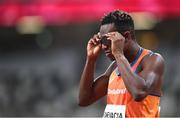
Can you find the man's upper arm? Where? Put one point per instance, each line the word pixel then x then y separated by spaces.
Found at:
pixel 101 83
pixel 152 72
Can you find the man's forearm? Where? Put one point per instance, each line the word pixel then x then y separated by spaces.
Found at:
pixel 86 81
pixel 132 81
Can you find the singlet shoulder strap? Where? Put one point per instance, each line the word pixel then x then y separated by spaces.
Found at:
pixel 143 54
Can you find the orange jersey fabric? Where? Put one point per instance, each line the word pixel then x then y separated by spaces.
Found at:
pixel 119 95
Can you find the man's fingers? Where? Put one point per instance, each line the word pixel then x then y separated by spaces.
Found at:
pixel 95 41
pixel 110 33
pixel 113 34
pixel 90 42
pixel 109 38
pixel 98 35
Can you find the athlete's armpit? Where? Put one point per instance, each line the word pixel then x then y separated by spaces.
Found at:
pixel 98 89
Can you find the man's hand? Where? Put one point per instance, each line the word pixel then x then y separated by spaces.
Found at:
pixel 94 47
pixel 117 42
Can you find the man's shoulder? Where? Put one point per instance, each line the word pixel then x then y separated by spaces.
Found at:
pixel 111 68
pixel 153 59
pixel 113 65
pixel 153 56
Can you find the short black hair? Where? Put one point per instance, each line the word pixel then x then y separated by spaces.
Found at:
pixel 121 19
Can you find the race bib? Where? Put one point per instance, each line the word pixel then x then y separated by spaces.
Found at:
pixel 114 111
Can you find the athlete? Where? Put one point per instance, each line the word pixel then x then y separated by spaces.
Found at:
pixel 133 81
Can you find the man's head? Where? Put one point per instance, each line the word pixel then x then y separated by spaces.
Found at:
pixel 121 22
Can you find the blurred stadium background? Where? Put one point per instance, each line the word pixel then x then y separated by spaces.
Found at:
pixel 43 50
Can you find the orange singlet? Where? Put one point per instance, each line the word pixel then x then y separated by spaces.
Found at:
pixel 121 104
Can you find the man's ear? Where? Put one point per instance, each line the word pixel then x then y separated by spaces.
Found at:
pixel 127 36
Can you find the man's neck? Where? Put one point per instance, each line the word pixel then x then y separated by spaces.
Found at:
pixel 132 52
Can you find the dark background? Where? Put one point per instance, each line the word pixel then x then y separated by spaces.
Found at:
pixel 40 69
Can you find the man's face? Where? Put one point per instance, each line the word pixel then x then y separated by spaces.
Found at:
pixel 104 29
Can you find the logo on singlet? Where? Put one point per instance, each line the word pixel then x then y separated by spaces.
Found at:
pixel 116 91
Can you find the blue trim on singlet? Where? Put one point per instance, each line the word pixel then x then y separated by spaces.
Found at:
pixel 118 72
pixel 141 50
pixel 150 52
